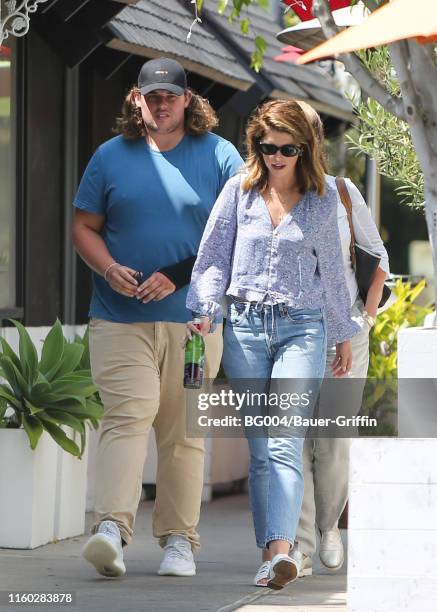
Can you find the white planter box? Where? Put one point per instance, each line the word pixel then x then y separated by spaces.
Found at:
pixel 392 508
pixel 60 513
pixel 42 492
pixel 392 534
pixel 71 484
pixel 417 352
pixel 417 367
pixel 27 490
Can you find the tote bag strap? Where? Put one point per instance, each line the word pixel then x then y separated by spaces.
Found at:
pixel 347 203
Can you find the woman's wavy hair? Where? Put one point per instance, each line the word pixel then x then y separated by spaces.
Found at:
pixel 285 116
pixel 200 117
pixel 314 118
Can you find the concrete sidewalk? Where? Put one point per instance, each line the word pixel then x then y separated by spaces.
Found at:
pixel 225 568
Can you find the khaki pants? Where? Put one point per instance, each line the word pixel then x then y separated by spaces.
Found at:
pixel 326 460
pixel 138 369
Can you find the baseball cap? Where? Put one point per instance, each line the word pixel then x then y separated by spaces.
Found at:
pixel 162 73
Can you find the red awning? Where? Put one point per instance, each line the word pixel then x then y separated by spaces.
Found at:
pixel 303 8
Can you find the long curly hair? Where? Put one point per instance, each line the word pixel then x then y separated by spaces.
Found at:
pixel 284 116
pixel 200 117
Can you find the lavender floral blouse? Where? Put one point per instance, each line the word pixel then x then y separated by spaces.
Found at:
pixel 298 263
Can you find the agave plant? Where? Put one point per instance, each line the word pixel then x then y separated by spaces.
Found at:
pixel 85 363
pixel 50 393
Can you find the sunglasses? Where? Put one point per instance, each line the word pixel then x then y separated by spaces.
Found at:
pixel 288 150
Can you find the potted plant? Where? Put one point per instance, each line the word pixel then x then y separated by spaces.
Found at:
pixel 45 405
pixel 380 398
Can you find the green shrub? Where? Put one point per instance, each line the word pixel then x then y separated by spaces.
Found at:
pixel 50 393
pixel 384 336
pixel 380 393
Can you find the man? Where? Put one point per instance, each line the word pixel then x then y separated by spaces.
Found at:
pixel 141 208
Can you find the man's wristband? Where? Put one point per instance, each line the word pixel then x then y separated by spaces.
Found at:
pixel 108 268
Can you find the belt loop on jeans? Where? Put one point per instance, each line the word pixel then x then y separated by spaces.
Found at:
pixel 272 306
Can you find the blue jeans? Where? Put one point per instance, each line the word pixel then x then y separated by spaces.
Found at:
pixel 274 342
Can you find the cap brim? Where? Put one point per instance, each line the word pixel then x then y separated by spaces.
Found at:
pixel 175 89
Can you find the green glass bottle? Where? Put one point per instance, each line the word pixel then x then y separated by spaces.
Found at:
pixel 194 360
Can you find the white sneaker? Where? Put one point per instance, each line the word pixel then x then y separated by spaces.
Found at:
pixel 262 574
pixel 304 562
pixel 331 549
pixel 283 570
pixel 104 550
pixel 178 558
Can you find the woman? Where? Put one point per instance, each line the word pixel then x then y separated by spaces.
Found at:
pixel 326 460
pixel 272 245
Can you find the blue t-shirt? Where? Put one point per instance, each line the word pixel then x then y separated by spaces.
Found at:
pixel 156 206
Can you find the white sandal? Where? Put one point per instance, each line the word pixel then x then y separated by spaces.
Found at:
pixel 262 574
pixel 283 570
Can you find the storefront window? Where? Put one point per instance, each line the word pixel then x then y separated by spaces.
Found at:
pixel 7 178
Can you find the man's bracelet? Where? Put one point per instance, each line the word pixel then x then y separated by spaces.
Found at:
pixel 108 268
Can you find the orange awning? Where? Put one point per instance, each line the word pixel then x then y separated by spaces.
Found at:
pixel 397 20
